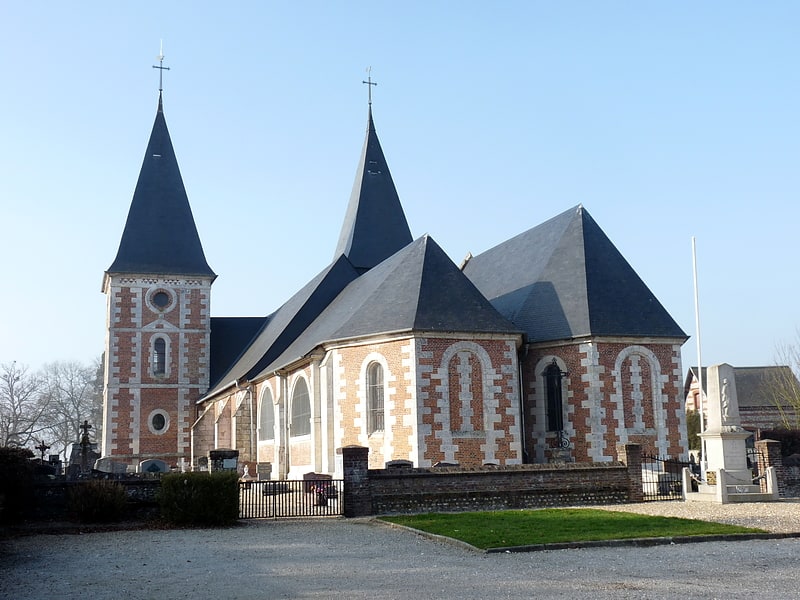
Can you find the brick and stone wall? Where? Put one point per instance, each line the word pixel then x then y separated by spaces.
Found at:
pixel 135 392
pixel 614 391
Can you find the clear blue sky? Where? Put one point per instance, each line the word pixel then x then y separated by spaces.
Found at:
pixel 665 120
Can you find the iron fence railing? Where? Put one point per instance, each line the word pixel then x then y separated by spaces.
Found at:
pixel 291 498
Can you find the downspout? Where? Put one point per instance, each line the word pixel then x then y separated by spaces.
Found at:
pixel 523 431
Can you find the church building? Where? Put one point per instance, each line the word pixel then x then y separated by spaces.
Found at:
pixel 545 348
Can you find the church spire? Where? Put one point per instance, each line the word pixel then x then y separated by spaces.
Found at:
pixel 375 225
pixel 160 236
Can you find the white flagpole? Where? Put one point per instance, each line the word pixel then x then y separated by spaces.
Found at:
pixel 699 359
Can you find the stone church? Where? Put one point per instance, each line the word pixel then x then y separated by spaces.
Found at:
pixel 545 348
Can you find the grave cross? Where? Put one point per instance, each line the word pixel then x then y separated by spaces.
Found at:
pixel 42 448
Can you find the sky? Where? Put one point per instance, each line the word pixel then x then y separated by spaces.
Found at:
pixel 666 121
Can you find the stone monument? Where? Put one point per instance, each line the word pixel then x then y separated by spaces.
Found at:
pixel 727 477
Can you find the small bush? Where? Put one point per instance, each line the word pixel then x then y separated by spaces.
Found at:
pixel 200 498
pixel 16 482
pixel 97 501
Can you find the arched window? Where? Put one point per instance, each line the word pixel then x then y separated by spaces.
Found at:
pixel 266 425
pixel 301 409
pixel 555 410
pixel 374 398
pixel 159 356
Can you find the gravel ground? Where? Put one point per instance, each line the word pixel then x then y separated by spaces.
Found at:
pixel 360 558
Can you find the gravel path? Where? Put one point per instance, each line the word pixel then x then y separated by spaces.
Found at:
pixel 363 559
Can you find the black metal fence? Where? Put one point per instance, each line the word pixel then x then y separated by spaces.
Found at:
pixel 662 478
pixel 290 498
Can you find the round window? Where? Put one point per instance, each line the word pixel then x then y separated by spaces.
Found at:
pixel 160 299
pixel 158 421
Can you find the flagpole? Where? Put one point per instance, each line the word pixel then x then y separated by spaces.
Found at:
pixel 699 360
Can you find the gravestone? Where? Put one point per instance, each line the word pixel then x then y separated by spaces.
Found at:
pixel 153 465
pixel 399 464
pixel 223 459
pixel 108 465
pixel 264 471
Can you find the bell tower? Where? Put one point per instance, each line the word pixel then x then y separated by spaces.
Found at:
pixel 158 301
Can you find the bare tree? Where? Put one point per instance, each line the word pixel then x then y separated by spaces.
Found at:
pixel 71 393
pixel 784 385
pixel 22 406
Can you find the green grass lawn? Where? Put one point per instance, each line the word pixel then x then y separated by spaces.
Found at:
pixel 529 527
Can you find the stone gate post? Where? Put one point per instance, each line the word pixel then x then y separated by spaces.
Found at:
pixel 631 456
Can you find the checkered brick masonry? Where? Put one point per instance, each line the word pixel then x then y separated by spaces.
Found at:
pixel 614 391
pixel 156 365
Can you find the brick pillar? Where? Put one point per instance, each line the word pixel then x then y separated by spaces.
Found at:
pixel 769 455
pixel 357 494
pixel 631 456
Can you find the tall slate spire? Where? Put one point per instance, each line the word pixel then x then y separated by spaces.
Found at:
pixel 160 236
pixel 375 225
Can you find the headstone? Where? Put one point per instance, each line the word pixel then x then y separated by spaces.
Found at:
pixel 153 465
pixel 108 465
pixel 223 459
pixel 264 471
pixel 399 464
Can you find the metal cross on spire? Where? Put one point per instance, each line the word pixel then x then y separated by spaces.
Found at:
pixel 369 83
pixel 161 67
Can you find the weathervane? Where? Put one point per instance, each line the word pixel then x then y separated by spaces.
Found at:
pixel 369 83
pixel 161 67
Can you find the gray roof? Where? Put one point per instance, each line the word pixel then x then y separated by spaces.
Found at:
pixel 755 386
pixel 229 337
pixel 419 289
pixel 288 322
pixel 375 225
pixel 160 236
pixel 565 279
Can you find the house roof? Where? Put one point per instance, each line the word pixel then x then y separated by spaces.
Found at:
pixel 565 279
pixel 755 386
pixel 418 289
pixel 160 236
pixel 375 225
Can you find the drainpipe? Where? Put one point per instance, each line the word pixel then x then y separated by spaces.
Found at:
pixel 523 431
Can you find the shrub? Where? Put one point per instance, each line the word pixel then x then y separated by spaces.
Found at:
pixel 97 501
pixel 200 498
pixel 16 482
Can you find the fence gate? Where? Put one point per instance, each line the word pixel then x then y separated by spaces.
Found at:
pixel 662 478
pixel 282 499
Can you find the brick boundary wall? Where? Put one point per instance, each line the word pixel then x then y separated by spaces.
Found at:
pixel 769 455
pixel 454 489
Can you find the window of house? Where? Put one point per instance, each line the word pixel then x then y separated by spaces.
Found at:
pixel 555 410
pixel 266 426
pixel 374 398
pixel 159 356
pixel 301 409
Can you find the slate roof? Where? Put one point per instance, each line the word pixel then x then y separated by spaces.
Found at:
pixel 565 279
pixel 288 322
pixel 229 337
pixel 419 289
pixel 753 384
pixel 160 236
pixel 375 225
